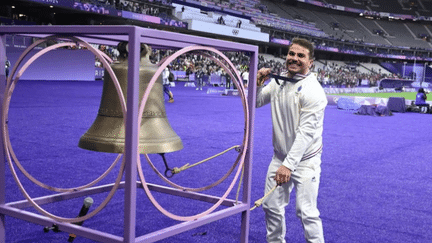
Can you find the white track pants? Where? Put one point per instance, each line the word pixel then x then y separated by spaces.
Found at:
pixel 306 180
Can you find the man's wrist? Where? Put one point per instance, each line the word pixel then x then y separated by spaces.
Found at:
pixel 289 167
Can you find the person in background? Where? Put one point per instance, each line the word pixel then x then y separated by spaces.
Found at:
pixel 199 78
pixel 166 84
pixel 220 20
pixel 245 77
pixel 297 108
pixel 228 83
pixel 421 101
pixel 7 67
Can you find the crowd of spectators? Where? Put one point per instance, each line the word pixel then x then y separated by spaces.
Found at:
pixel 136 7
pixel 277 66
pixel 333 74
pixel 329 75
pixel 147 7
pixel 336 75
pixel 193 62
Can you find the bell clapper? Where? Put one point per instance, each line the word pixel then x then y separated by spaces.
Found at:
pixel 168 171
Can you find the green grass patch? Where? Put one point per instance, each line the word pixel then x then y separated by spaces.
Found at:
pixel 406 95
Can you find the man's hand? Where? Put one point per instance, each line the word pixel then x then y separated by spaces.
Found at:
pixel 262 75
pixel 283 175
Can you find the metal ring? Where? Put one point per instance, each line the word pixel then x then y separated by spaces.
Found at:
pixel 8 147
pixel 241 156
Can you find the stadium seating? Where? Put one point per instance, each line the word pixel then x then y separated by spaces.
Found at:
pixel 369 67
pixel 340 31
pixel 390 6
pixel 351 4
pixel 399 34
pixel 327 24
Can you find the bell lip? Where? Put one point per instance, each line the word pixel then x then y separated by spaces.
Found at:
pixel 99 145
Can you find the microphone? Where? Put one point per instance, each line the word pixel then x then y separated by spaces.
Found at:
pixel 88 201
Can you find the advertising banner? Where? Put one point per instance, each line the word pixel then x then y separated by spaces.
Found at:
pixel 88 7
pixel 280 41
pixel 172 22
pixel 141 17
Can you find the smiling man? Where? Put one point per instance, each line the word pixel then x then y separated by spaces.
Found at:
pixel 297 107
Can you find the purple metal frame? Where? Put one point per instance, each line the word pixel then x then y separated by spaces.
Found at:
pixel 135 35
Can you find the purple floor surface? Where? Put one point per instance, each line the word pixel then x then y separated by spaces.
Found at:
pixel 376 171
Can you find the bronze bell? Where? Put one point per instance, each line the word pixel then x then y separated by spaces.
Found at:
pixel 107 134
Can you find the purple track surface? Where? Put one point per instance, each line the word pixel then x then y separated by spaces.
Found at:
pixel 376 171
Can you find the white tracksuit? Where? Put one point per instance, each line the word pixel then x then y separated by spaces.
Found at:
pixel 297 116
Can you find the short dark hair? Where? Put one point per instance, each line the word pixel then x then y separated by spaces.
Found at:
pixel 304 43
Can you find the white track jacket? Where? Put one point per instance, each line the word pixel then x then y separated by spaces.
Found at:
pixel 297 115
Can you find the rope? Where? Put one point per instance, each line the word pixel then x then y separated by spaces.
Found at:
pixel 177 170
pixel 239 157
pixel 239 186
pixel 260 201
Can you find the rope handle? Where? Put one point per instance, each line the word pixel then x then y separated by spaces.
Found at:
pixel 260 201
pixel 177 170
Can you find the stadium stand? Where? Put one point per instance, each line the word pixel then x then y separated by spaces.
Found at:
pixel 345 3
pixel 342 38
pixel 400 35
pixel 290 20
pixel 373 67
pixel 392 7
pixel 389 6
